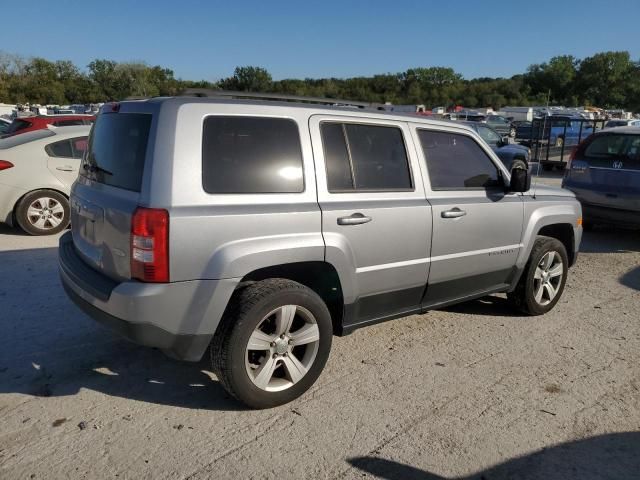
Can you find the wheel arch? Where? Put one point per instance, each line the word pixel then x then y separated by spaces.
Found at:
pixel 564 233
pixel 321 277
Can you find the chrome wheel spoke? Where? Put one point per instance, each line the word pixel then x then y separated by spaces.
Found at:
pixel 40 223
pixel 551 290
pixel 294 368
pixel 57 209
pixel 284 319
pixel 538 274
pixel 33 211
pixel 307 334
pixel 539 292
pixel 44 202
pixel 265 372
pixel 556 271
pixel 54 221
pixel 259 341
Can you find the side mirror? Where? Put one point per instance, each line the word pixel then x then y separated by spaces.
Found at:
pixel 520 178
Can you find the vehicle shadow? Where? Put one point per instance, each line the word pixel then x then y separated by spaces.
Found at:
pixel 608 239
pixel 631 279
pixel 49 348
pixel 613 456
pixel 489 306
pixel 7 230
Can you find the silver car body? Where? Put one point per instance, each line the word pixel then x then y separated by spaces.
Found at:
pixel 34 168
pixel 409 258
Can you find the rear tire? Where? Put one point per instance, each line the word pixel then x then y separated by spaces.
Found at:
pixel 272 343
pixel 543 279
pixel 43 212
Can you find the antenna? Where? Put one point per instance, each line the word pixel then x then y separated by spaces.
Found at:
pixel 544 128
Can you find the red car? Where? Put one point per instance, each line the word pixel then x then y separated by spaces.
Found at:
pixel 38 122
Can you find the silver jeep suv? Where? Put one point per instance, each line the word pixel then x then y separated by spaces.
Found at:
pixel 261 228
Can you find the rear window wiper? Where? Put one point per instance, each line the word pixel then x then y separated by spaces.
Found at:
pixel 97 168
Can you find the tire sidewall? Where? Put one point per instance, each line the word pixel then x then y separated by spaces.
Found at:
pixel 23 205
pixel 545 246
pixel 244 327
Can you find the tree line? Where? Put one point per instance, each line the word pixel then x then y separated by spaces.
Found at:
pixel 607 80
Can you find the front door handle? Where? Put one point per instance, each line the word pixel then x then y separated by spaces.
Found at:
pixel 355 219
pixel 65 169
pixel 453 213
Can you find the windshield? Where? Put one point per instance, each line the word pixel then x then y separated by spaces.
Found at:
pixel 18 125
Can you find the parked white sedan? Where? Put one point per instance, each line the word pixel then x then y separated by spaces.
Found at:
pixel 36 172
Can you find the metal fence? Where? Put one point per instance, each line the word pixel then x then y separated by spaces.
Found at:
pixel 551 139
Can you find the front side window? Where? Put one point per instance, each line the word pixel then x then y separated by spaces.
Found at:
pixel 365 157
pixel 456 162
pixel 251 155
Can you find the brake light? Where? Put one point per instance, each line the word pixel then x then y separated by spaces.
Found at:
pixel 5 165
pixel 150 245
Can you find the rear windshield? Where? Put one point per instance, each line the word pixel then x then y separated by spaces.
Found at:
pixel 117 149
pixel 614 151
pixel 617 123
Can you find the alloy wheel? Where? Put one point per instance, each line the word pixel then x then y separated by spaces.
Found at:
pixel 547 278
pixel 282 348
pixel 45 213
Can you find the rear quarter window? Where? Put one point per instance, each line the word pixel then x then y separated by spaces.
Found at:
pixel 251 155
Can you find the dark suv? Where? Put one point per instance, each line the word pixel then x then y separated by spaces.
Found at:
pixel 604 173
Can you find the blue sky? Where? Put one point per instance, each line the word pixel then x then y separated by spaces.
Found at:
pixel 308 38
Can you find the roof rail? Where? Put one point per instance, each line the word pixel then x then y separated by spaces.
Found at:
pixel 208 92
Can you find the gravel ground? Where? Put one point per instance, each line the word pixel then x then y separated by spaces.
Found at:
pixel 472 391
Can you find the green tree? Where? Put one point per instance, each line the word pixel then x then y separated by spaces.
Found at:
pixel 248 79
pixel 558 77
pixel 605 79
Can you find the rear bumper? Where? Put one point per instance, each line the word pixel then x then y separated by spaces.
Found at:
pixel 180 318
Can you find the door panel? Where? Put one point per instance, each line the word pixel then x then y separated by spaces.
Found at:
pixel 477 227
pixel 378 240
pixel 483 244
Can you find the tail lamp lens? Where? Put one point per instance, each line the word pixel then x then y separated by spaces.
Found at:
pixel 4 165
pixel 150 245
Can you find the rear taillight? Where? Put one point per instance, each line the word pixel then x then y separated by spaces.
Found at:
pixel 4 164
pixel 150 245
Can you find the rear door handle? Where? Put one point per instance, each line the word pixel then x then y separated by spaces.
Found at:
pixel 355 219
pixel 453 213
pixel 66 168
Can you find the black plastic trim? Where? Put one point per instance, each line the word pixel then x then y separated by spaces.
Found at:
pixel 89 280
pixel 182 347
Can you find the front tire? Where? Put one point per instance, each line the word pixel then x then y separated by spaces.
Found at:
pixel 43 212
pixel 543 279
pixel 272 343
